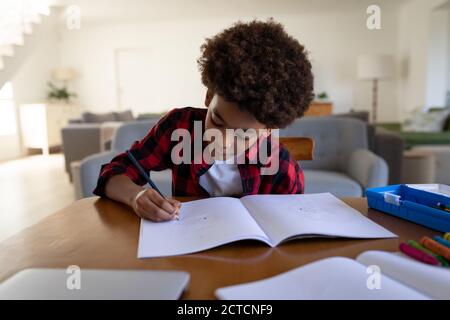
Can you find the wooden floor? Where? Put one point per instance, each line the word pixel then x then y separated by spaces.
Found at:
pixel 30 189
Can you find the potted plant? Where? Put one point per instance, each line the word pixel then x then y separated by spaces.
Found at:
pixel 322 96
pixel 56 93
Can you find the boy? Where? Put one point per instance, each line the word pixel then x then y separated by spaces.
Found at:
pixel 258 78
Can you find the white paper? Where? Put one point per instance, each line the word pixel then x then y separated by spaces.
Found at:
pixel 212 222
pixel 441 189
pixel 285 216
pixel 431 280
pixel 334 278
pixel 203 224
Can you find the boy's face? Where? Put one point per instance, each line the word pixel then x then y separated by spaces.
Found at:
pixel 222 115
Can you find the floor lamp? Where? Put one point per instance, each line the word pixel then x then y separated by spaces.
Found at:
pixel 375 68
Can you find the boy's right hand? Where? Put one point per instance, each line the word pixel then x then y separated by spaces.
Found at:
pixel 150 205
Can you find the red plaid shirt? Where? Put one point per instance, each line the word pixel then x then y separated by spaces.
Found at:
pixel 154 154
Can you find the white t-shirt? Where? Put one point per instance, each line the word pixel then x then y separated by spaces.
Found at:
pixel 222 179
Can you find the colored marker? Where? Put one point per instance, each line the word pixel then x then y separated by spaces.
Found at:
pixel 418 254
pixel 443 206
pixel 442 241
pixel 418 246
pixel 435 247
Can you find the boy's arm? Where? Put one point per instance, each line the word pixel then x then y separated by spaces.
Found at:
pixel 152 153
pixel 120 180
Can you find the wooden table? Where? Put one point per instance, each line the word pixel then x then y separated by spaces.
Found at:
pixel 99 233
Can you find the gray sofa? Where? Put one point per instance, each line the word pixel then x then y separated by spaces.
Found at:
pixel 382 142
pixel 343 163
pixel 82 137
pixel 390 147
pixel 79 141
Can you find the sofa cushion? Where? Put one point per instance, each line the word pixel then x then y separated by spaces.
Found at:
pixel 339 184
pixel 90 117
pixel 360 115
pixel 149 115
pixel 124 116
pixel 432 121
pixel 363 116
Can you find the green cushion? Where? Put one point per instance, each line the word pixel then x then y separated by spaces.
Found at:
pixel 419 138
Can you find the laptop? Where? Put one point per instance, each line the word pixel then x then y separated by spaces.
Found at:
pixel 92 284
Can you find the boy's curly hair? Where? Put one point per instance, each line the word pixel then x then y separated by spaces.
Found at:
pixel 261 68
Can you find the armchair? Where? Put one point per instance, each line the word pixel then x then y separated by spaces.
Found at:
pixel 343 163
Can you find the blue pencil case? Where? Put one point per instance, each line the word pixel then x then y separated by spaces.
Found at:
pixel 416 203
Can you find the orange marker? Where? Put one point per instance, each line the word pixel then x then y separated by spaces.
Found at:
pixel 436 247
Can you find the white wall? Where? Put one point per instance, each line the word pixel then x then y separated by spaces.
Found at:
pixel 413 41
pixel 438 58
pixel 30 81
pixel 334 39
pixel 10 146
pixel 448 57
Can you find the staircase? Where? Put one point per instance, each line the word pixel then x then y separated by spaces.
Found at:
pixel 20 20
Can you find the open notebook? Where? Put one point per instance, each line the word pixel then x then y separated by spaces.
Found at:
pixel 272 219
pixel 343 278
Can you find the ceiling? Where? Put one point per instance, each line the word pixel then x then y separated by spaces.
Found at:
pixel 133 10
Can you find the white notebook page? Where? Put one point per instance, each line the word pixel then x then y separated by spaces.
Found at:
pixel 329 279
pixel 285 216
pixel 203 224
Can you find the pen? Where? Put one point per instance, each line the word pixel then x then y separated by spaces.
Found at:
pixel 142 172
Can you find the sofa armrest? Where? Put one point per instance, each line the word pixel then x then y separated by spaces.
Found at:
pixel 80 141
pixel 367 169
pixel 390 146
pixel 90 170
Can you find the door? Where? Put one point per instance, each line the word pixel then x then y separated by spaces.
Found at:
pixel 138 88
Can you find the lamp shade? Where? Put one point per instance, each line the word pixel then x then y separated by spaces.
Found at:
pixel 371 67
pixel 64 74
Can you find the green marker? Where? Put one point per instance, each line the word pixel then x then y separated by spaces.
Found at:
pixel 418 246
